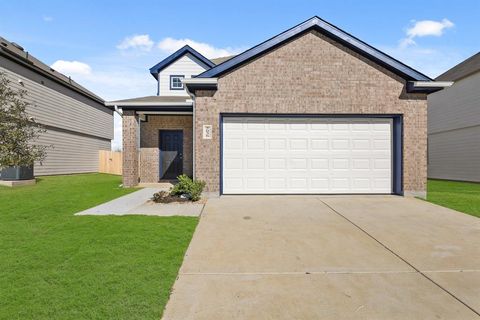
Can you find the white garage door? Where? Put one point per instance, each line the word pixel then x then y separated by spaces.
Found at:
pixel 306 155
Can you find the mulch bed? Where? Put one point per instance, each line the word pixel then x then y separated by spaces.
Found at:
pixel 165 197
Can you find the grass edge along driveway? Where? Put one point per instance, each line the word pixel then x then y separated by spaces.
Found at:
pixel 54 265
pixel 456 195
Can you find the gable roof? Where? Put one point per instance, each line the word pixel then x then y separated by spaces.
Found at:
pixel 461 70
pixel 16 53
pixel 155 70
pixel 331 31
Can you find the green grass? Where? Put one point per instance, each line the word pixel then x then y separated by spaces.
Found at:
pixel 54 265
pixel 461 196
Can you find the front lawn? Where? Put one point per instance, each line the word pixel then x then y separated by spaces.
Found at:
pixel 461 196
pixel 54 265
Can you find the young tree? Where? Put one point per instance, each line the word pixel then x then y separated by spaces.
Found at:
pixel 18 130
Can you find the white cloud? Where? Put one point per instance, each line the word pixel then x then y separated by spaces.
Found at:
pixel 141 42
pixel 47 18
pixel 425 28
pixel 429 28
pixel 71 68
pixel 171 45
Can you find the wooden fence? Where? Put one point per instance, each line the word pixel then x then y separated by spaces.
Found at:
pixel 110 162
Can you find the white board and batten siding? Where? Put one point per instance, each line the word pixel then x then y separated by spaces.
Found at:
pixel 187 66
pixel 76 128
pixel 306 155
pixel 454 131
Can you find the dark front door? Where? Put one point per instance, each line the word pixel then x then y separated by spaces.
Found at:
pixel 171 153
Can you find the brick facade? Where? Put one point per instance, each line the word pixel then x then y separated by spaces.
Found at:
pixel 313 75
pixel 130 148
pixel 149 165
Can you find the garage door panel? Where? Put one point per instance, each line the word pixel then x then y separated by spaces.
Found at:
pixel 307 155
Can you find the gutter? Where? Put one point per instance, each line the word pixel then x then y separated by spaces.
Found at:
pixel 427 86
pixel 193 84
pixel 148 104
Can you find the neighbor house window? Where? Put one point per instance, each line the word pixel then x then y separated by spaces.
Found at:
pixel 176 82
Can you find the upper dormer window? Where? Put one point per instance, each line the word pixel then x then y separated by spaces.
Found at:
pixel 176 82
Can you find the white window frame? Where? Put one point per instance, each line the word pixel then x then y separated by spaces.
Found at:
pixel 176 76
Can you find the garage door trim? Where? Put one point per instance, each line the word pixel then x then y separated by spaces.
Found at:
pixel 397 139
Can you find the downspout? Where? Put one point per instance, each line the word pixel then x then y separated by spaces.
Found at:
pixel 192 95
pixel 120 113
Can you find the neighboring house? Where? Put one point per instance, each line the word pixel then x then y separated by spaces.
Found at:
pixel 454 124
pixel 77 122
pixel 312 110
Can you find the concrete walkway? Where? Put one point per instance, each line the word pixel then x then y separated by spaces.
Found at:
pixel 137 203
pixel 308 257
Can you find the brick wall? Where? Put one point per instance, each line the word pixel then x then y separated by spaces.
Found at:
pixel 130 148
pixel 149 165
pixel 149 143
pixel 313 75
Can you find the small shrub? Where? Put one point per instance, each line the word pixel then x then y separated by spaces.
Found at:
pixel 189 187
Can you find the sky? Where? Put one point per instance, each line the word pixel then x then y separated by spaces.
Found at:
pixel 108 46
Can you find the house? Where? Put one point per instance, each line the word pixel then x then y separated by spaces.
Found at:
pixel 313 110
pixel 454 124
pixel 76 120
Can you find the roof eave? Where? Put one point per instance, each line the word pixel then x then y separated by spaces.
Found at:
pixel 427 86
pixel 145 104
pixel 194 84
pixel 159 108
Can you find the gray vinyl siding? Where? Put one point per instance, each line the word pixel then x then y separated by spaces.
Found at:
pixel 71 153
pixel 454 131
pixel 78 127
pixel 455 155
pixel 53 108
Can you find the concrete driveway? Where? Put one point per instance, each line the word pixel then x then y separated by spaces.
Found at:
pixel 310 257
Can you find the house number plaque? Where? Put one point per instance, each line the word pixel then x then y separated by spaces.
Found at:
pixel 207 131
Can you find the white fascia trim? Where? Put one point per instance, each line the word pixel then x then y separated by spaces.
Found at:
pixel 200 81
pixel 148 104
pixel 432 84
pixel 165 112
